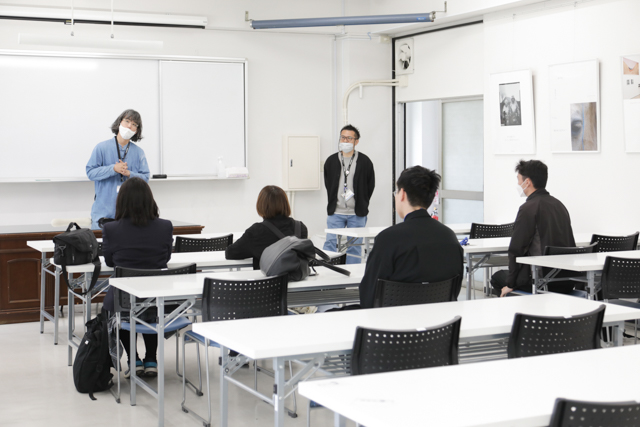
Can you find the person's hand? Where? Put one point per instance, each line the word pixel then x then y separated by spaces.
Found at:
pixel 505 291
pixel 126 173
pixel 120 167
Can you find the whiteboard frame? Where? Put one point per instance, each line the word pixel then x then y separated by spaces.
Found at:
pixel 158 58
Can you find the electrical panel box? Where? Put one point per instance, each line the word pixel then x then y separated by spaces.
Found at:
pixel 301 163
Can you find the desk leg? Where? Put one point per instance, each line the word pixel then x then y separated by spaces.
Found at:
pixel 70 328
pixel 469 276
pixel 591 284
pixel 132 352
pixel 279 391
pixel 87 298
pixel 534 274
pixel 161 320
pixel 56 313
pixel 339 420
pixel 43 280
pixel 618 329
pixel 224 387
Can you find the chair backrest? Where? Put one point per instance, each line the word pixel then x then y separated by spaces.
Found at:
pixel 122 300
pixel 537 335
pixel 488 231
pixel 390 294
pixel 187 244
pixel 620 278
pixel 376 350
pixel 615 243
pixel 238 299
pixel 557 250
pixel 576 413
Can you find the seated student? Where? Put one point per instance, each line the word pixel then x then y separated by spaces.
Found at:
pixel 420 249
pixel 273 206
pixel 542 221
pixel 138 238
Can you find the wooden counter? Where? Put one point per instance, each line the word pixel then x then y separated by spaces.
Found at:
pixel 20 270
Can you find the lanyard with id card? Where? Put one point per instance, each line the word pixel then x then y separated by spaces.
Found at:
pixel 347 194
pixel 123 158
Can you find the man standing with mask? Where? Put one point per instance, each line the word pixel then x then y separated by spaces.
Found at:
pixel 113 161
pixel 349 179
pixel 542 221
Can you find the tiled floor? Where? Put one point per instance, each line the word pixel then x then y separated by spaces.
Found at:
pixel 36 389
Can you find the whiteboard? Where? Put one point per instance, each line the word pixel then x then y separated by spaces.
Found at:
pixel 57 107
pixel 202 117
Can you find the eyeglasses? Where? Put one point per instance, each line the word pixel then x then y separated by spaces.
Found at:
pixel 132 124
pixel 347 138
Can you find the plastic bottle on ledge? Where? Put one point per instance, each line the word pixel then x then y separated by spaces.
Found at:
pixel 435 214
pixel 222 171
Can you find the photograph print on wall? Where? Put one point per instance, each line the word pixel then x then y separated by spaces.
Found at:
pixel 510 106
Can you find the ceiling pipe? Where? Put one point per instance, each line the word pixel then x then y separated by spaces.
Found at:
pixel 343 20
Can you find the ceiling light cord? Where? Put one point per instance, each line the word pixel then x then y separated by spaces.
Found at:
pixel 112 19
pixel 72 18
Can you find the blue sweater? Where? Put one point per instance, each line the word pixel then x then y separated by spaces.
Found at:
pixel 100 169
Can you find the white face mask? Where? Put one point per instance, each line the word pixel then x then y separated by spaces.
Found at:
pixel 520 190
pixel 126 133
pixel 345 147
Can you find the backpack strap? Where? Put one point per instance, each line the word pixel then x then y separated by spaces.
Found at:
pixel 274 229
pixel 298 229
pixel 94 278
pixel 333 267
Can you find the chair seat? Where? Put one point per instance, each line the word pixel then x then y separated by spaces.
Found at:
pixel 197 337
pixel 179 323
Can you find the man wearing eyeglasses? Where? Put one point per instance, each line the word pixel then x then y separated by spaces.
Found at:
pixel 349 179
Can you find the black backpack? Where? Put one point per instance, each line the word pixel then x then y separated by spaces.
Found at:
pixel 92 365
pixel 76 247
pixel 293 255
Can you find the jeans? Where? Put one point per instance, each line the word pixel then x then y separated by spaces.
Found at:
pixel 345 221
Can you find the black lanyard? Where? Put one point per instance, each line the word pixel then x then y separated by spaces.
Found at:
pixel 346 171
pixel 125 154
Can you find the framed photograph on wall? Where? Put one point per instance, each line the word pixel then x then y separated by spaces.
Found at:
pixel 574 107
pixel 631 101
pixel 512 117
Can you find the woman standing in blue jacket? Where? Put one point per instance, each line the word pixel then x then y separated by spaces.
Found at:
pixel 115 160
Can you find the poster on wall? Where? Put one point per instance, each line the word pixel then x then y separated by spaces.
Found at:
pixel 512 118
pixel 574 105
pixel 631 102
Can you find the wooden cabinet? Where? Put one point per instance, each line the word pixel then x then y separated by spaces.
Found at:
pixel 20 270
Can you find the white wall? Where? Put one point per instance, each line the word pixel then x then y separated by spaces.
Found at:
pixel 290 91
pixel 597 188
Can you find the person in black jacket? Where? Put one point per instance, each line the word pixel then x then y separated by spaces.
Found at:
pixel 138 238
pixel 420 249
pixel 273 206
pixel 542 221
pixel 349 179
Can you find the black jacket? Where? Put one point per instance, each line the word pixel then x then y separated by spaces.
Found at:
pixel 130 246
pixel 364 181
pixel 257 237
pixel 542 221
pixel 420 249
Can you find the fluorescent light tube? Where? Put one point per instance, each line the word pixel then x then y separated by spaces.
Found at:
pixel 344 20
pixel 92 42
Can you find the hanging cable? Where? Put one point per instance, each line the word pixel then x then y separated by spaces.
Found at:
pixel 72 18
pixel 111 18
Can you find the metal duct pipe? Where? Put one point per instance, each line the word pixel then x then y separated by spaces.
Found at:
pixel 344 20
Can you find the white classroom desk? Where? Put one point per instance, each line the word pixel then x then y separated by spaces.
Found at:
pixel 318 337
pixel 585 263
pixel 186 287
pixel 515 392
pixel 368 234
pixel 478 251
pixel 46 247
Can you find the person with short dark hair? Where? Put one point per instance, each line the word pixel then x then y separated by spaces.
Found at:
pixel 115 160
pixel 420 249
pixel 138 238
pixel 542 221
pixel 273 206
pixel 350 180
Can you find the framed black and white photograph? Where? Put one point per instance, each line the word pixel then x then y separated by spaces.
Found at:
pixel 574 106
pixel 512 117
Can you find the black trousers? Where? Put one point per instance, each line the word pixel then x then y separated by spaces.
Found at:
pixel 499 281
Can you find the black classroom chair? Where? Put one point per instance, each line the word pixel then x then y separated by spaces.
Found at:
pixel 621 279
pixel 489 231
pixel 615 243
pixel 391 294
pixel 576 413
pixel 188 244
